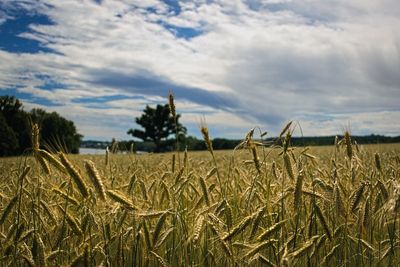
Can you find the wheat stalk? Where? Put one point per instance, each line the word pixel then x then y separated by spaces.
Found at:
pixel 271 230
pixel 259 247
pixel 204 189
pixel 257 221
pixel 197 228
pixel 328 256
pixel 298 192
pixel 338 200
pixel 378 162
pixel 159 259
pixel 238 228
pixel 8 209
pixel 158 227
pixel 303 249
pixel 347 141
pixel 357 197
pixel 288 165
pixel 323 221
pixel 120 198
pixel 94 176
pixel 43 163
pixel 74 224
pixel 75 175
pixel 39 254
pixel 50 158
pixel 35 137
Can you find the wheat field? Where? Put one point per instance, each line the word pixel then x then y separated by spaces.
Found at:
pixel 258 205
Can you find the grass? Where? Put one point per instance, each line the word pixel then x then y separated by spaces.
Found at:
pixel 255 206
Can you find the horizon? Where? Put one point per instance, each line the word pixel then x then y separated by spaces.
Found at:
pixel 239 139
pixel 238 64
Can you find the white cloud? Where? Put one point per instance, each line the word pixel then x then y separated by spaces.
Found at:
pixel 278 60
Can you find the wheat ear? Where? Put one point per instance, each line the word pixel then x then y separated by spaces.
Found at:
pixel 75 175
pixel 96 179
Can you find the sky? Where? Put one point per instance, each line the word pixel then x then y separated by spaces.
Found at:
pixel 329 65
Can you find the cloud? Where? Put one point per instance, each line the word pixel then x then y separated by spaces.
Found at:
pixel 242 63
pixel 147 83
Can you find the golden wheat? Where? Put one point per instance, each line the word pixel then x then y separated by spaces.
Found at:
pixel 233 208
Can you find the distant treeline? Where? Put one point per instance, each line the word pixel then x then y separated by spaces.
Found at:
pixel 56 133
pixel 192 143
pixel 329 140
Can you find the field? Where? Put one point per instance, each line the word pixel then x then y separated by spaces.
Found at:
pixel 254 206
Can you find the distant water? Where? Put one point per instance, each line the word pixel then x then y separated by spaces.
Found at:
pixel 91 151
pixel 99 151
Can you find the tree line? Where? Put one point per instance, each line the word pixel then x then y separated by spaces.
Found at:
pixel 188 142
pixel 56 132
pixel 158 125
pixel 192 143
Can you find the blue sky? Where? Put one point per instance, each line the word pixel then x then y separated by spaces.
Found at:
pixel 330 65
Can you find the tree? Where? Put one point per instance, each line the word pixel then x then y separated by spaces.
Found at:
pixel 158 125
pixel 15 129
pixel 56 131
pixel 8 140
pixel 18 120
pixel 9 105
